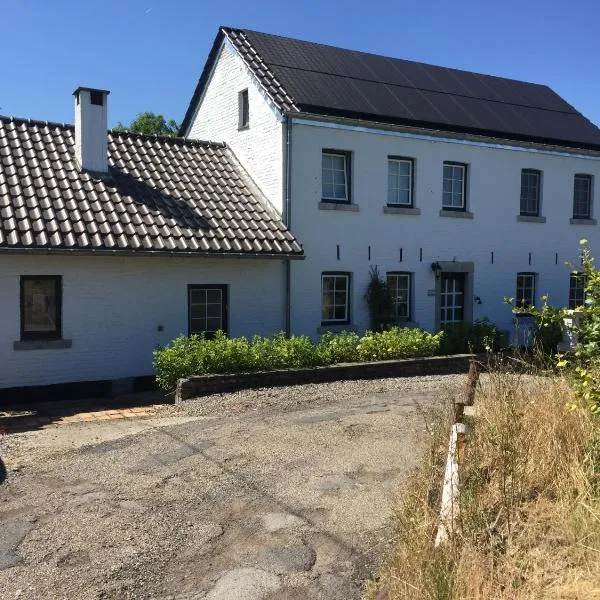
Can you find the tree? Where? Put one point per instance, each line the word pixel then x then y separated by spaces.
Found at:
pixel 150 124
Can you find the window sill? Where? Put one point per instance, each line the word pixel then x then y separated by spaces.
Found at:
pixel 344 206
pixel 401 210
pixel 530 219
pixel 583 221
pixel 336 328
pixel 456 214
pixel 42 344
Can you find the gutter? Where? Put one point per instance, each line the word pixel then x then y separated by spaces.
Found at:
pixel 131 253
pixel 287 220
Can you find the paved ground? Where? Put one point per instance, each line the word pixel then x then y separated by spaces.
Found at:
pixel 257 495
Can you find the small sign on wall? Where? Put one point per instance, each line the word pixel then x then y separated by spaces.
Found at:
pixel 431 292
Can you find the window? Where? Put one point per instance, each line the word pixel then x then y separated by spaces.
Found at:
pixel 399 286
pixel 335 176
pixel 454 186
pixel 577 283
pixel 582 197
pixel 452 298
pixel 335 298
pixel 525 290
pixel 243 110
pixel 207 309
pixel 400 181
pixel 41 310
pixel 530 192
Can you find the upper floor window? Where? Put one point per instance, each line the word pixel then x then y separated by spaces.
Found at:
pixel 582 197
pixel 530 192
pixel 525 290
pixel 335 174
pixel 243 110
pixel 335 298
pixel 577 283
pixel 399 285
pixel 41 298
pixel 400 181
pixel 455 186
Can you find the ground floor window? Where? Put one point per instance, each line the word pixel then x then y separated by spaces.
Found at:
pixel 525 290
pixel 399 285
pixel 335 298
pixel 207 309
pixel 41 300
pixel 577 283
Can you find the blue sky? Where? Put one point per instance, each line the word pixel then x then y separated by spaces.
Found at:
pixel 150 53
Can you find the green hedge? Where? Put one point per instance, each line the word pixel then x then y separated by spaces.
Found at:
pixel 196 355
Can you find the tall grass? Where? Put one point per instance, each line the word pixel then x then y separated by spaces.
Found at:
pixel 530 504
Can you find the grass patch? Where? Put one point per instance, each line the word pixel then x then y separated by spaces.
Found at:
pixel 530 503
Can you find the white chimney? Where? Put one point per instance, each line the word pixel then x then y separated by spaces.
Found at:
pixel 91 118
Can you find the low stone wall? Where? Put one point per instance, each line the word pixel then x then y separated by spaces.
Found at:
pixel 203 385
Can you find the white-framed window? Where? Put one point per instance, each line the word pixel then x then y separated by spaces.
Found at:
pixel 577 283
pixel 455 186
pixel 243 110
pixel 525 290
pixel 399 285
pixel 582 196
pixel 335 298
pixel 400 181
pixel 335 176
pixel 531 181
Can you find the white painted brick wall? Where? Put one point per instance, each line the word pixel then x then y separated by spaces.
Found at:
pixel 494 189
pixel 112 307
pixel 260 147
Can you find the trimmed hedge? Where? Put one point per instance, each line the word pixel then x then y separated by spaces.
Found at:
pixel 196 355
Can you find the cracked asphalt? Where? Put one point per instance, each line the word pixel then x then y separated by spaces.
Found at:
pixel 257 495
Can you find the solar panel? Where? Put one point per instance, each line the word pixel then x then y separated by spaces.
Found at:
pixel 331 80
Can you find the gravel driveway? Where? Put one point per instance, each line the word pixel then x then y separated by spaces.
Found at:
pixel 273 493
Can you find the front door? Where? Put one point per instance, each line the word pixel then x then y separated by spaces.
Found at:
pixel 452 298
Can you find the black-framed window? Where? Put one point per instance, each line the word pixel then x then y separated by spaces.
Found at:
pixel 531 188
pixel 455 186
pixel 400 181
pixel 336 176
pixel 525 290
pixel 41 307
pixel 243 109
pixel 207 309
pixel 335 298
pixel 577 283
pixel 400 284
pixel 582 196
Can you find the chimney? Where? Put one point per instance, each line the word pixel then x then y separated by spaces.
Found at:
pixel 91 141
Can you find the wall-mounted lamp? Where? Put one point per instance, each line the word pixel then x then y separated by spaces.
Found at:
pixel 437 269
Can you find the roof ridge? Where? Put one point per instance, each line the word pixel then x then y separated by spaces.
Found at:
pixel 150 136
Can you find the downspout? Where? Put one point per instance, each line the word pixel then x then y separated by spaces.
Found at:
pixel 287 201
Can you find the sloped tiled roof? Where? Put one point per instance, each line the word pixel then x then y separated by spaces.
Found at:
pixel 324 80
pixel 161 195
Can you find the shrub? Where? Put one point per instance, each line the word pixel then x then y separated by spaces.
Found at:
pixel 380 301
pixel 398 343
pixel 196 355
pixel 478 336
pixel 337 348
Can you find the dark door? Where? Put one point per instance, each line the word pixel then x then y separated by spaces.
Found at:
pixel 207 309
pixel 452 298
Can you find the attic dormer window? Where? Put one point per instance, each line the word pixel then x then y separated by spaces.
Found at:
pixel 243 110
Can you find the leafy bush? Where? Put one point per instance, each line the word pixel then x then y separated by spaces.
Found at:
pixel 338 348
pixel 380 301
pixel 478 336
pixel 398 343
pixel 196 355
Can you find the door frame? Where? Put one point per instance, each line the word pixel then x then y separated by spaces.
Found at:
pixel 468 268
